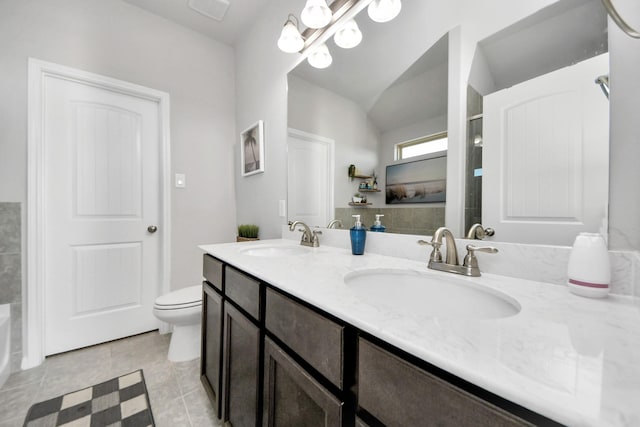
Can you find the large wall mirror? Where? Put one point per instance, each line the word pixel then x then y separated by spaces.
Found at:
pixel 383 93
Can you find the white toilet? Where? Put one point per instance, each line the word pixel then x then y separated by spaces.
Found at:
pixel 183 310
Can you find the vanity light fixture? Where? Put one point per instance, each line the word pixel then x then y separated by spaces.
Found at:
pixel 336 19
pixel 384 10
pixel 320 57
pixel 316 14
pixel 291 40
pixel 348 36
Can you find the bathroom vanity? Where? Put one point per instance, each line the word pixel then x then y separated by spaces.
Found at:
pixel 290 339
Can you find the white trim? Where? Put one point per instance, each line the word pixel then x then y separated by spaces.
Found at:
pixel 332 163
pixel 33 285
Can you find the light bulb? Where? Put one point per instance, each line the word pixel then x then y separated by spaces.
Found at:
pixel 384 10
pixel 348 36
pixel 320 57
pixel 290 40
pixel 316 14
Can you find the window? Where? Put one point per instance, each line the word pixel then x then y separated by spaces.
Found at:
pixel 425 145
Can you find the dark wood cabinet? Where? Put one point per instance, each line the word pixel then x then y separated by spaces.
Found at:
pixel 212 271
pixel 243 290
pixel 270 359
pixel 292 397
pixel 399 394
pixel 241 369
pixel 360 423
pixel 210 362
pixel 231 359
pixel 318 340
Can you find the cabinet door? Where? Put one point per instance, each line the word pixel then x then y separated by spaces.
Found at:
pixel 240 369
pixel 210 362
pixel 292 397
pixel 400 394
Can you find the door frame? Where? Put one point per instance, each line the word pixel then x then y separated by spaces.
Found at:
pixel 33 317
pixel 330 143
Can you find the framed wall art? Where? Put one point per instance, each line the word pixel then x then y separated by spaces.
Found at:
pixel 422 181
pixel 252 149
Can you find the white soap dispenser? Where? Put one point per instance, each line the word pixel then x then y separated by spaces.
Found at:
pixel 589 271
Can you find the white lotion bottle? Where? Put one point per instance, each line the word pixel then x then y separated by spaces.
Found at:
pixel 589 270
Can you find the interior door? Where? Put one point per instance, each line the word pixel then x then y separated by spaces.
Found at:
pixel 310 180
pixel 546 156
pixel 102 200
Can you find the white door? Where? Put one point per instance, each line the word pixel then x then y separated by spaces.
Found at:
pixel 102 191
pixel 310 178
pixel 546 156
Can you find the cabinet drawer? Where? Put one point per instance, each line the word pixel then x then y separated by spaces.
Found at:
pixel 400 394
pixel 315 338
pixel 212 271
pixel 243 290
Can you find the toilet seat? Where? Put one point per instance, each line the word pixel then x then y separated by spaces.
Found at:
pixel 182 309
pixel 182 298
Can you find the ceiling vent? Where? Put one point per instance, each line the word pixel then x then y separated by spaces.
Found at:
pixel 214 9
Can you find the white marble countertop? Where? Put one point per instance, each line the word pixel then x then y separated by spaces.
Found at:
pixel 572 359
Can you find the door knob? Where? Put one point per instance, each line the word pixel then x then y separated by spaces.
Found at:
pixel 152 229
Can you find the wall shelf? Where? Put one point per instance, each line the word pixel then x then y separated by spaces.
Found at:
pixel 363 190
pixel 361 177
pixel 359 205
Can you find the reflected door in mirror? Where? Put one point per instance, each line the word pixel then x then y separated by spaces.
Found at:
pixel 310 178
pixel 546 156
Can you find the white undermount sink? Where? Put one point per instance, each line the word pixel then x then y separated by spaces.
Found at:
pixel 432 295
pixel 275 251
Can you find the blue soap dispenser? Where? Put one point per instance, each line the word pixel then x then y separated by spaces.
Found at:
pixel 377 225
pixel 358 236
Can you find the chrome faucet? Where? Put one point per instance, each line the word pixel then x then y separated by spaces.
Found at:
pixel 334 223
pixel 309 238
pixel 478 232
pixel 469 266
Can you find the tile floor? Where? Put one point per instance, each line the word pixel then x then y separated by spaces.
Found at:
pixel 177 396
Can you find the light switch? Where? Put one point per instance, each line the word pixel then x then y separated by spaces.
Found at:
pixel 181 180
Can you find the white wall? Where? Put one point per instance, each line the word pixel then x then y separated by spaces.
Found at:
pixel 321 112
pixel 480 77
pixel 261 81
pixel 389 139
pixel 118 40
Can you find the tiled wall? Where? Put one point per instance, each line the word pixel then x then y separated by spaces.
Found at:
pixel 418 220
pixel 11 273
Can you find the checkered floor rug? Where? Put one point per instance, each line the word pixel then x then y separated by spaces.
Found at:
pixel 122 401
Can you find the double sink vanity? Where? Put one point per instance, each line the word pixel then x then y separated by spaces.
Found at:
pixel 294 335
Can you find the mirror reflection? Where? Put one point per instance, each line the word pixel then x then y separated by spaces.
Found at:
pixel 373 102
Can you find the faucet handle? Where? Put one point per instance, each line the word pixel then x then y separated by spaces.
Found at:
pixel 436 255
pixel 487 249
pixel 470 259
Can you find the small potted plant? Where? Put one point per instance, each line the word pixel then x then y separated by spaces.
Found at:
pixel 357 198
pixel 247 232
